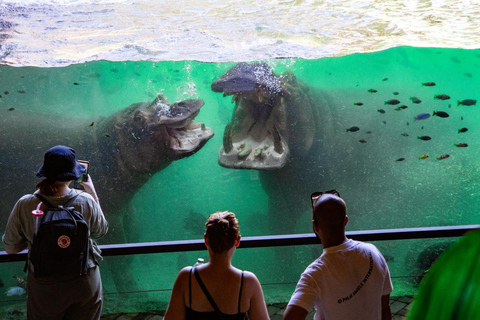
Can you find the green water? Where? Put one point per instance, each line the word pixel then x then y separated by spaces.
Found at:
pixel 175 202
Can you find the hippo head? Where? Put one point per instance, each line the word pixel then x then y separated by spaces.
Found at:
pixel 256 136
pixel 158 132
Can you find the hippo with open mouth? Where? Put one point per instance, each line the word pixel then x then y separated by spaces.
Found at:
pixel 125 150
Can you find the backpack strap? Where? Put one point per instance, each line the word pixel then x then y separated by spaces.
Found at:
pixel 48 204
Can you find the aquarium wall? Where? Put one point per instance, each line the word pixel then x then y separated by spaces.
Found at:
pixel 367 135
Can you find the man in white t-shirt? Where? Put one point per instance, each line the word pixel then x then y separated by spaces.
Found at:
pixel 350 280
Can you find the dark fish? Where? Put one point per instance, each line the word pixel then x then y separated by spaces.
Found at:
pixel 400 159
pixel 423 156
pixel 362 141
pixel 392 102
pixel 106 135
pixel 422 116
pixel 384 122
pixel 449 105
pixel 21 91
pixel 358 103
pixel 443 156
pixel 468 74
pixel 441 114
pixel 91 124
pixel 425 138
pixel 405 134
pixel 353 129
pixel 75 83
pixel 401 108
pixel 381 110
pixel 462 130
pixel 415 100
pixel 467 102
pixel 461 118
pixel 372 90
pixel 11 109
pixel 396 93
pixel 6 92
pixel 384 79
pixel 408 123
pixel 428 84
pixel 441 97
pixel 369 132
pixel 461 145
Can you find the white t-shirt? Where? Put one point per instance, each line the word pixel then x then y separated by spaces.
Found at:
pixel 346 283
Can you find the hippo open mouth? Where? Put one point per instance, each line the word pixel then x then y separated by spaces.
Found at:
pixel 255 138
pixel 173 124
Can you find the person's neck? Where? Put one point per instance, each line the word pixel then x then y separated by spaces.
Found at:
pixel 62 190
pixel 221 260
pixel 333 242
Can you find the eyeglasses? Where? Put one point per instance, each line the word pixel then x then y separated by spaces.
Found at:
pixel 314 196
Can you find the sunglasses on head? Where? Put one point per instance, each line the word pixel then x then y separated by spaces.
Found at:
pixel 314 196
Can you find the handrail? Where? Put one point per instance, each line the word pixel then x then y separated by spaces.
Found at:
pixel 269 241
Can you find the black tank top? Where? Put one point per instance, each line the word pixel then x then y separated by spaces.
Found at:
pixel 212 315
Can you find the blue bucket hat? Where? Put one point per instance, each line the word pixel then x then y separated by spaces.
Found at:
pixel 60 164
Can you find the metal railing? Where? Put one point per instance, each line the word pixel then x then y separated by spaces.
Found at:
pixel 269 241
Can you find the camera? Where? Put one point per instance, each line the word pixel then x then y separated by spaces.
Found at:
pixel 84 176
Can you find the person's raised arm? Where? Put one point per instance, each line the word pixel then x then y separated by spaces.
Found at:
pixel 386 311
pixel 293 312
pixel 176 309
pixel 258 308
pixel 90 189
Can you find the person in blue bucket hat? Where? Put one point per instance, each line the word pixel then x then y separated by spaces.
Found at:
pixel 60 297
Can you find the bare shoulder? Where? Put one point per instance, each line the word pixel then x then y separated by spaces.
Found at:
pixel 250 278
pixel 184 275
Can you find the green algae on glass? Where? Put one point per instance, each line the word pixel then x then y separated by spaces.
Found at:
pixel 451 288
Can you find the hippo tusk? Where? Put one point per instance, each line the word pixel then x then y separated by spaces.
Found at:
pixel 234 98
pixel 227 138
pixel 245 151
pixel 258 152
pixel 259 96
pixel 277 141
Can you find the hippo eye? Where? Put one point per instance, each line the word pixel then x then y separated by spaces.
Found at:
pixel 139 117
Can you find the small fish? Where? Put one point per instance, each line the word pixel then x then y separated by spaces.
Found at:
pixel 468 74
pixel 16 291
pixel 425 138
pixel 400 159
pixel 462 130
pixel 353 129
pixel 75 83
pixel 106 135
pixel 372 90
pixel 381 110
pixel 441 114
pixel 422 116
pixel 408 123
pixel 467 102
pixel 441 97
pixel 21 91
pixel 423 156
pixel 443 156
pixel 384 122
pixel 369 132
pixel 461 145
pixel 415 100
pixel 405 134
pixel 401 108
pixel 6 92
pixel 461 118
pixel 362 141
pixel 384 79
pixel 91 124
pixel 429 84
pixel 392 102
pixel 358 103
pixel 396 93
pixel 11 109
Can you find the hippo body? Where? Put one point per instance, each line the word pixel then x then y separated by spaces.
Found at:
pixel 125 150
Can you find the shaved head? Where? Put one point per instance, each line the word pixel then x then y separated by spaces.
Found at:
pixel 329 212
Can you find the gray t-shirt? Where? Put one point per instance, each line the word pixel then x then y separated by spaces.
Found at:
pixel 20 232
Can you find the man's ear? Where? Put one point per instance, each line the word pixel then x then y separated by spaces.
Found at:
pixel 346 220
pixel 205 239
pixel 237 242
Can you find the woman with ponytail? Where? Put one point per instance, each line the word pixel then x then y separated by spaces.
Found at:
pixel 217 290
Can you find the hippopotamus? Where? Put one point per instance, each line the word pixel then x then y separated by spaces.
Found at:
pixel 125 150
pixel 288 130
